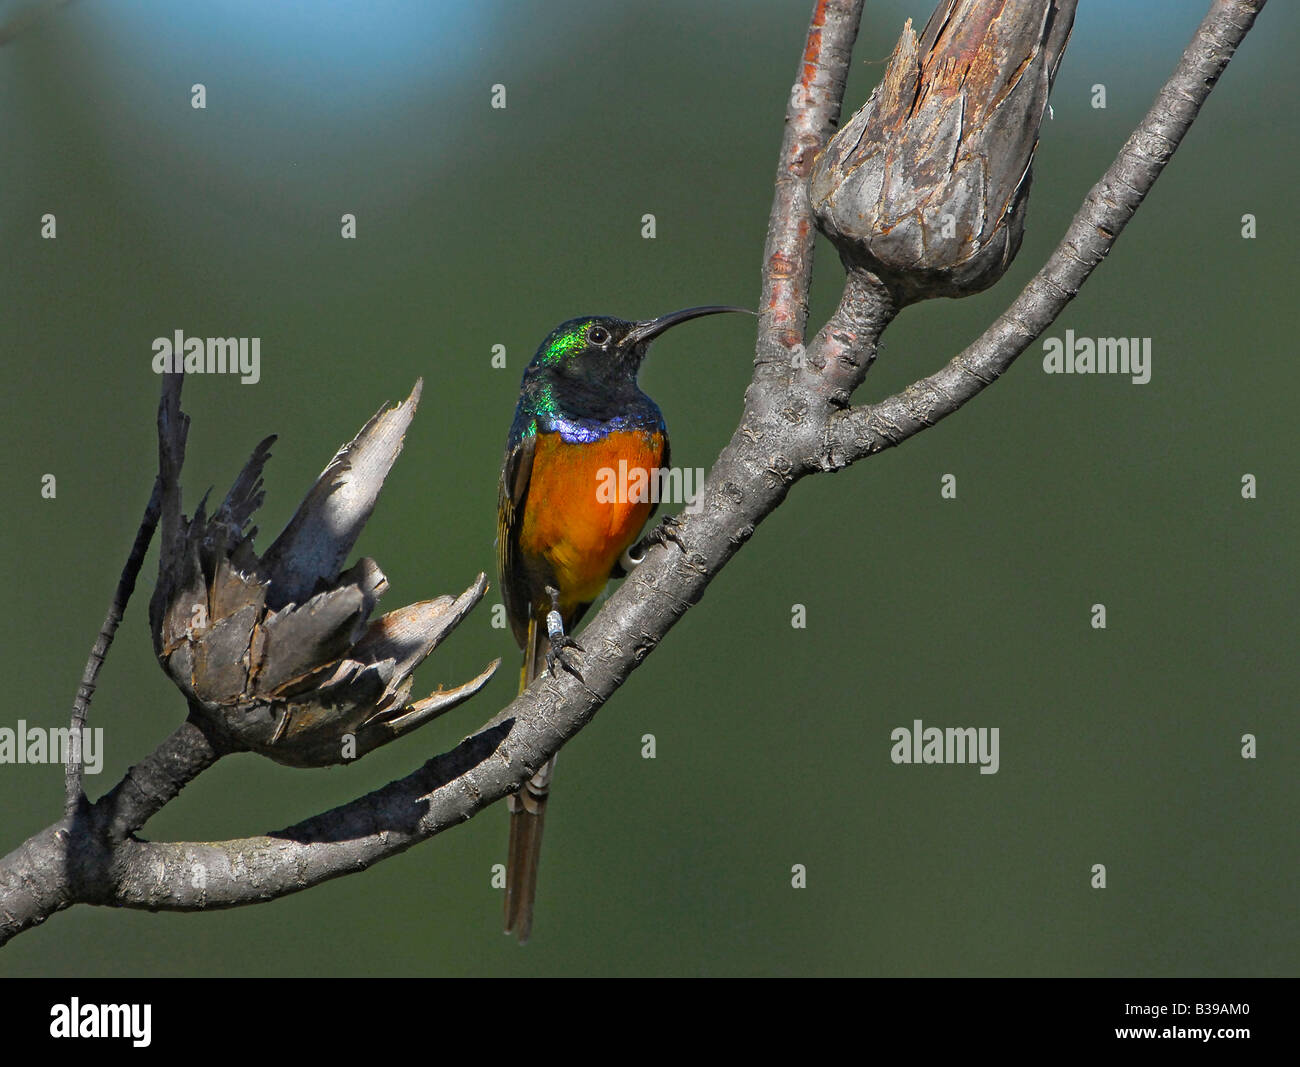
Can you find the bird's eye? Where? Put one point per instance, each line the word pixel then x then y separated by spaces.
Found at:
pixel 597 335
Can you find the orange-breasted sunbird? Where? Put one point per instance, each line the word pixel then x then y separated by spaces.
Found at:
pixel 560 532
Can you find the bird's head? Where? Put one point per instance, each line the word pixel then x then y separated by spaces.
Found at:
pixel 604 351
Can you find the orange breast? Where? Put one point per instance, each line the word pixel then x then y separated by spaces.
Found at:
pixel 578 515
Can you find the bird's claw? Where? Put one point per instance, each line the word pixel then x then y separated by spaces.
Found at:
pixel 560 655
pixel 667 530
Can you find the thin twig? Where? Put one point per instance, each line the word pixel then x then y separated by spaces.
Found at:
pixel 86 690
pixel 810 118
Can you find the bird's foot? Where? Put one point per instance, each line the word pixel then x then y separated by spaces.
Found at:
pixel 668 530
pixel 560 654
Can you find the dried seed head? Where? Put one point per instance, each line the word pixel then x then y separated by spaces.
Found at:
pixel 926 185
pixel 276 650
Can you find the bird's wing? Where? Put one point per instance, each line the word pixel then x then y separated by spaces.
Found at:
pixel 665 462
pixel 516 473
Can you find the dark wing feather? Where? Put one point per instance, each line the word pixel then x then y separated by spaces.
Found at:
pixel 516 473
pixel 665 461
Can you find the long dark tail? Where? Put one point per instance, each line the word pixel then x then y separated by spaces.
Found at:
pixel 527 811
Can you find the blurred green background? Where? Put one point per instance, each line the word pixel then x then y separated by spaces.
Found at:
pixel 480 227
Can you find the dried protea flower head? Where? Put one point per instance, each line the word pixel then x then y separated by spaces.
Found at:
pixel 926 186
pixel 276 651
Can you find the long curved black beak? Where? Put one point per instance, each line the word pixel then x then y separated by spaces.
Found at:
pixel 642 332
